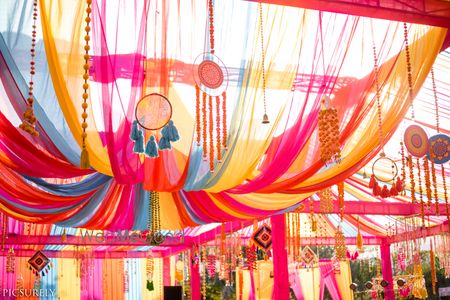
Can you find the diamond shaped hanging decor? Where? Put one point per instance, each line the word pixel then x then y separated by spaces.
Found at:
pixel 39 261
pixel 308 255
pixel 263 237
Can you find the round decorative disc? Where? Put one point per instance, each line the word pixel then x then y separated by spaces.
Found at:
pixel 153 111
pixel 210 74
pixel 439 150
pixel 416 141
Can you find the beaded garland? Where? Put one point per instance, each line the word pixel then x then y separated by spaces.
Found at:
pixel 329 135
pixel 29 119
pixel 84 160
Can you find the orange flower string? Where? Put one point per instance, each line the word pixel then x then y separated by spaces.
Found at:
pixel 224 120
pixel 422 203
pixel 205 148
pixel 433 178
pixel 426 170
pixel 445 194
pixel 197 114
pixel 211 137
pixel 329 135
pixel 341 199
pixel 84 160
pixel 218 143
pixel 411 179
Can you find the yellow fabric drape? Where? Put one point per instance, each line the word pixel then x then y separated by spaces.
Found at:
pixel 64 41
pixel 250 138
pixel 344 279
pixel 394 100
pixel 69 286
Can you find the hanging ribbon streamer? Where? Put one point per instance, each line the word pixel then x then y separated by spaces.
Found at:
pixel 84 160
pixel 29 119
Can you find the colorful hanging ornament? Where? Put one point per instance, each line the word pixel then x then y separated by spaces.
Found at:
pixel 10 261
pixel 359 238
pixel 308 257
pixel 29 119
pixel 153 112
pixel 154 236
pixel 339 247
pixel 84 160
pixel 329 132
pixel 38 262
pixel 250 253
pixel 211 265
pixel 326 200
pixel 149 266
pixel 439 150
pixel 211 77
pixel 416 141
pixel 262 237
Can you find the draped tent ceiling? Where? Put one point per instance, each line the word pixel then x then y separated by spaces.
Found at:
pixel 142 47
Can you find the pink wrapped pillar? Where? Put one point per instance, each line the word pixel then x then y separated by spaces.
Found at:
pixel 280 260
pixel 386 270
pixel 195 281
pixel 166 270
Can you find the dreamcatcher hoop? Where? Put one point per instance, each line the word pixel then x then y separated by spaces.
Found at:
pixel 153 111
pixel 210 74
pixel 393 164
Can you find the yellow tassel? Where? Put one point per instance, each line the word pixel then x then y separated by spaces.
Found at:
pixel 84 160
pixel 359 240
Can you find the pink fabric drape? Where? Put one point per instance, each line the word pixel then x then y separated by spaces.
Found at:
pixel 294 280
pixel 280 261
pixel 251 293
pixel 327 279
pixel 195 282
pixel 118 104
pixel 7 280
pixel 386 270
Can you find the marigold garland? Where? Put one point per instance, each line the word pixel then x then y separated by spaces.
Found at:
pixel 329 135
pixel 211 138
pixel 326 200
pixel 426 170
pixel 197 114
pixel 422 203
pixel 411 179
pixel 340 248
pixel 218 142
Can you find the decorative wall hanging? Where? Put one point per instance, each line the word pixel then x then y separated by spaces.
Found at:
pixel 211 77
pixel 439 150
pixel 416 141
pixel 308 257
pixel 10 261
pixel 326 200
pixel 149 269
pixel 262 237
pixel 153 112
pixel 39 264
pixel 396 182
pixel 29 119
pixel 329 133
pixel 339 248
pixel 84 160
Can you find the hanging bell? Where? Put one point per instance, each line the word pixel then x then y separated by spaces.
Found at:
pixel 265 119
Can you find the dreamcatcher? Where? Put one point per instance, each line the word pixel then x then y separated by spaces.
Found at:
pixel 394 181
pixel 211 78
pixel 153 112
pixel 39 264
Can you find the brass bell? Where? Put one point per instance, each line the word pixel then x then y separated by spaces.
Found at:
pixel 265 119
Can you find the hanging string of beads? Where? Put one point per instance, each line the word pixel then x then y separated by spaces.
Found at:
pixel 436 103
pixel 211 137
pixel 29 119
pixel 312 216
pixel 265 116
pixel 411 179
pixel 409 70
pixel 444 183
pixel 197 114
pixel 10 261
pixel 434 184
pixel 340 248
pixel 203 273
pixel 326 200
pixel 341 199
pixel 433 170
pixel 218 137
pixel 426 170
pixel 224 121
pixel 205 124
pixel 422 203
pixel 211 25
pixel 155 212
pixel 84 160
pixel 402 150
pixel 377 93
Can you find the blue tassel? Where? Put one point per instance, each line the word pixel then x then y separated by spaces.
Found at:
pixel 151 149
pixel 134 134
pixel 171 132
pixel 164 143
pixel 139 143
